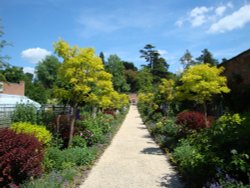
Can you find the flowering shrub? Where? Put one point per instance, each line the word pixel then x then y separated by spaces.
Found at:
pixel 20 157
pixel 40 132
pixel 192 120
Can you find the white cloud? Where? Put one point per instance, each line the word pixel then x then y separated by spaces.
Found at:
pixel 179 23
pixel 198 15
pixel 34 55
pixel 29 70
pixel 197 11
pixel 220 10
pixel 237 19
pixel 230 5
pixel 162 52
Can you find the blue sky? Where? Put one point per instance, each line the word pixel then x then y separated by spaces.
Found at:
pixel 123 27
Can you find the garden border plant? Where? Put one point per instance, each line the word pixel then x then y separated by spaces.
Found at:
pixel 70 173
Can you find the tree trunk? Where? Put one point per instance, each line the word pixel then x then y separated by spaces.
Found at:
pixel 72 125
pixel 205 113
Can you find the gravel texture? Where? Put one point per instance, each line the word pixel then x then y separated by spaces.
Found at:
pixel 132 160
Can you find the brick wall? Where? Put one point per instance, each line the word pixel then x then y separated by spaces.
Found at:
pixel 237 69
pixel 13 88
pixel 133 98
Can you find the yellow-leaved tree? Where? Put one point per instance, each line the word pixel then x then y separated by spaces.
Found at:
pixel 166 89
pixel 165 93
pixel 82 79
pixel 200 83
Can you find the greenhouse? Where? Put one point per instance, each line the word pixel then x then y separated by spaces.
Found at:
pixel 10 101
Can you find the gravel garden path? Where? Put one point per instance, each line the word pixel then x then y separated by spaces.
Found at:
pixel 132 160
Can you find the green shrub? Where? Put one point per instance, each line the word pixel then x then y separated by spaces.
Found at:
pixel 225 146
pixel 79 141
pixel 192 163
pixel 62 159
pixel 167 133
pixel 229 120
pixel 25 113
pixel 105 121
pixel 40 132
pixel 94 129
pixel 47 118
pixel 55 179
pixel 187 156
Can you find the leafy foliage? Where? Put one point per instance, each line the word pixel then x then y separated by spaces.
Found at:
pixel 207 57
pixel 46 71
pixel 131 79
pixel 115 67
pixel 157 65
pixel 201 82
pixel 3 43
pixel 13 74
pixel 62 159
pixel 55 179
pixel 79 141
pixel 165 89
pixel 187 60
pixel 25 113
pixel 38 131
pixel 145 80
pixel 82 79
pixel 82 74
pixel 191 120
pixel 20 157
pixel 223 146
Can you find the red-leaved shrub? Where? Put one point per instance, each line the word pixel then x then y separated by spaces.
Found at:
pixel 192 120
pixel 20 157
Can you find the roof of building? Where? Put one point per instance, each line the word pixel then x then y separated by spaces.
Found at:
pixel 13 100
pixel 235 57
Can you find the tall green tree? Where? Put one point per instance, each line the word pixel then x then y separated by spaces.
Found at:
pixel 83 79
pixel 200 83
pixel 131 74
pixel 145 80
pixel 35 90
pixel 115 66
pixel 150 54
pixel 207 57
pixel 102 57
pixel 131 79
pixel 187 59
pixel 46 71
pixel 129 66
pixel 157 64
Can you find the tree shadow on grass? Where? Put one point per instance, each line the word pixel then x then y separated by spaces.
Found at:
pixel 171 181
pixel 152 151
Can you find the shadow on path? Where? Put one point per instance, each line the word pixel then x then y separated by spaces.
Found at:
pixel 171 181
pixel 152 151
